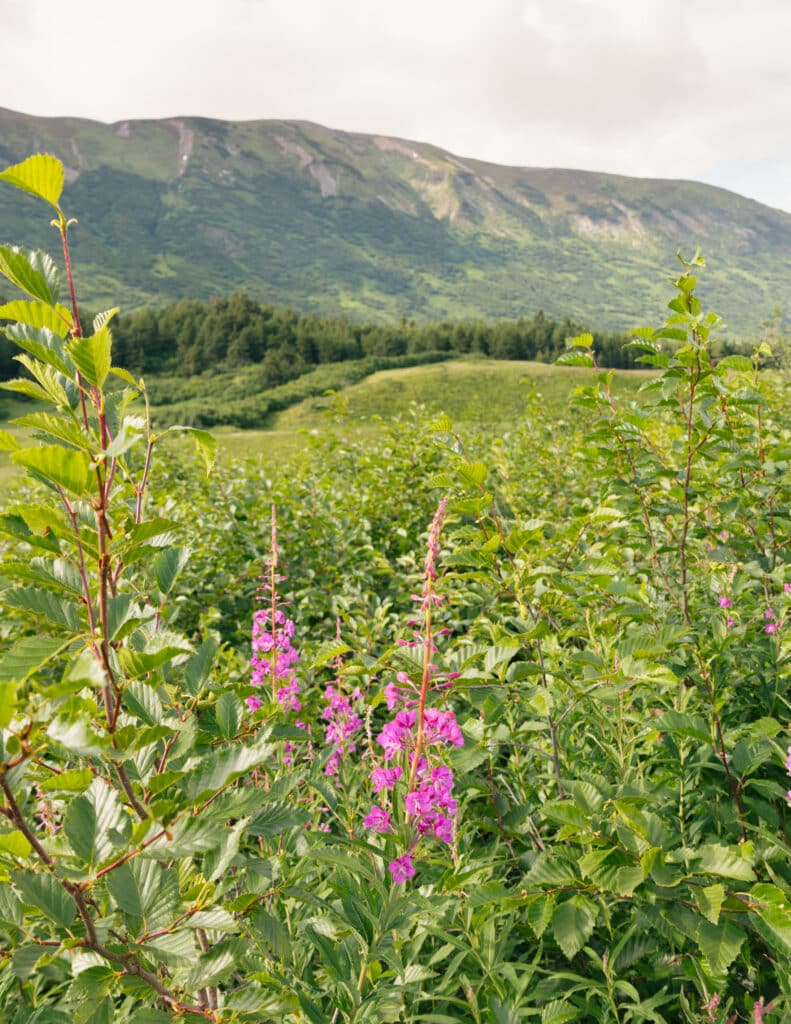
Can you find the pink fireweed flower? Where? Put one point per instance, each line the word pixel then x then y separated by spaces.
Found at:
pixel 385 778
pixel 726 602
pixel 273 653
pixel 377 819
pixel 417 734
pixel 401 868
pixel 343 723
pixel 787 588
pixel 772 628
pixel 769 613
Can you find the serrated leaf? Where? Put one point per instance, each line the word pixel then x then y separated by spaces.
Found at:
pixel 719 944
pixel 8 443
pixel 743 364
pixel 581 341
pixel 278 817
pixel 73 780
pixel 219 768
pixel 39 175
pixel 146 892
pixel 539 913
pixel 167 565
pixel 63 467
pixel 572 924
pixel 773 913
pixel 727 861
pixel 197 670
pixel 575 358
pixel 558 1011
pixel 226 713
pixel 38 314
pixel 102 319
pixel 92 356
pixel 41 343
pixel 205 443
pixel 33 272
pixel 473 472
pixel 27 656
pixel 93 821
pixel 551 869
pixel 43 602
pixel 47 894
pixel 15 844
pixel 327 652
pixel 55 426
pixel 710 902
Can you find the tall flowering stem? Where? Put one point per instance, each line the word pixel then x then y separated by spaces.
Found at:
pixel 416 736
pixel 274 655
pixel 428 598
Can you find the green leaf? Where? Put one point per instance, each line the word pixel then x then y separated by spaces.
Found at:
pixel 28 656
pixel 226 712
pixel 15 844
pixel 539 913
pixel 205 443
pixel 8 443
pixel 743 364
pixel 73 780
pixel 167 565
pixel 47 894
pixel 773 916
pixel 40 175
pixel 558 1011
pixel 327 652
pixel 94 823
pixel 575 358
pixel 146 892
pixel 33 272
pixel 572 924
pixel 42 602
pixel 473 473
pixel 581 341
pixel 727 861
pixel 92 356
pixel 197 671
pixel 719 944
pixel 63 467
pixel 8 702
pixel 217 769
pixel 59 427
pixel 41 343
pixel 38 314
pixel 102 319
pixel 710 902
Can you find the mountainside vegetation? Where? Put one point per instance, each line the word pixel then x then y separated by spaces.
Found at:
pixel 377 228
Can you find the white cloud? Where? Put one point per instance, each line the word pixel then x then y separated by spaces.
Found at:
pixel 650 87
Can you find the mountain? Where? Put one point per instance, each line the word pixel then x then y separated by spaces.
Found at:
pixel 380 228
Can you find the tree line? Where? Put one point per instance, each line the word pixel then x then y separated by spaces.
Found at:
pixel 189 337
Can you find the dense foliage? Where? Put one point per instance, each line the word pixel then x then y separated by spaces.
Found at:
pixel 512 745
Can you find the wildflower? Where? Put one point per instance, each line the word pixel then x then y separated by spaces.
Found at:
pixel 787 588
pixel 730 623
pixel 274 654
pixel 401 868
pixel 377 819
pixel 726 602
pixel 417 734
pixel 385 778
pixel 771 628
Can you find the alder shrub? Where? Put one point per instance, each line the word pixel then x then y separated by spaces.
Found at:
pixel 539 773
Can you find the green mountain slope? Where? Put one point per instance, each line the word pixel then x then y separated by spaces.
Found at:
pixel 378 227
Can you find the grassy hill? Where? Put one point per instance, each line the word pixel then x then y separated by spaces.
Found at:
pixel 378 227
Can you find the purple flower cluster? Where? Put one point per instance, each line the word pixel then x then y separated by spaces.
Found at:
pixel 274 654
pixel 415 737
pixel 274 657
pixel 343 722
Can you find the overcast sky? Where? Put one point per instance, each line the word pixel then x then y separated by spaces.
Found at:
pixel 659 88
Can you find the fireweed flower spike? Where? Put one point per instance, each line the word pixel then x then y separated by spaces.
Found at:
pixel 417 733
pixel 274 654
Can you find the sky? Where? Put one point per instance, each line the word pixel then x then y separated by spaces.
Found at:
pixel 696 89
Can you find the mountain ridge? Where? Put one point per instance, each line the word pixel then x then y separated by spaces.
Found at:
pixel 381 227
